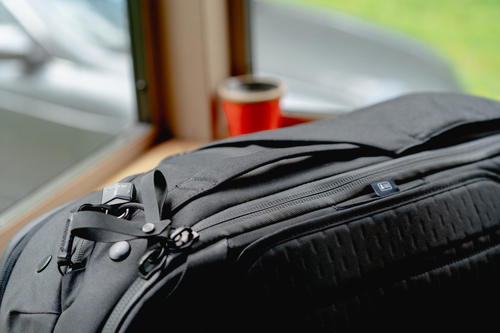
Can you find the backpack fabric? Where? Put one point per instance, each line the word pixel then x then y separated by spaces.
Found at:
pixel 386 218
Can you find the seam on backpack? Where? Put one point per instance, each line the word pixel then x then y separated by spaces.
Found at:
pixel 34 312
pixel 184 185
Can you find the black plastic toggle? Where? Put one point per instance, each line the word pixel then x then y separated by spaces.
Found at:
pixel 117 194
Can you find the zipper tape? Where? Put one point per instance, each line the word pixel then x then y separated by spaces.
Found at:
pixel 340 187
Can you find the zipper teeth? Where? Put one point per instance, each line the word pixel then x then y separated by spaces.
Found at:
pixel 346 183
pixel 116 316
pixel 80 251
pixel 259 243
pixel 297 201
pixel 293 202
pixel 123 305
pixel 130 297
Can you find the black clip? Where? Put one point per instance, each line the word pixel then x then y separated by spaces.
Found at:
pixel 64 255
pixel 66 246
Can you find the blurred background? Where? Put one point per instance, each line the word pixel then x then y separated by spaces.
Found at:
pixel 69 82
pixel 344 54
pixel 465 32
pixel 66 87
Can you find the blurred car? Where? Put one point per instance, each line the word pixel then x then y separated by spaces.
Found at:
pixel 66 93
pixel 335 63
pixel 71 54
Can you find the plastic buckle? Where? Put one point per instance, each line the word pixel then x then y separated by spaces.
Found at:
pixel 118 194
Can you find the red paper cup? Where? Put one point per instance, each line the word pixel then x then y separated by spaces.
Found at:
pixel 251 103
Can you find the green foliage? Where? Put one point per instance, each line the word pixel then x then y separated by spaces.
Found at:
pixel 466 32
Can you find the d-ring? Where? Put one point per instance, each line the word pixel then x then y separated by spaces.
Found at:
pixel 125 214
pixel 122 216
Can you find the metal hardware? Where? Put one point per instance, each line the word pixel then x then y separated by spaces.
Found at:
pixel 182 238
pixel 65 249
pixel 125 214
pixel 148 228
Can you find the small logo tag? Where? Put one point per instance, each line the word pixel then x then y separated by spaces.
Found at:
pixel 385 187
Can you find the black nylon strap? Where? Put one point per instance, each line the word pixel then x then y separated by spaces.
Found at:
pixel 230 168
pixel 153 192
pixel 100 227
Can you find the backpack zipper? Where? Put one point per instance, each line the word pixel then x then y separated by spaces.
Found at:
pixel 337 188
pixel 298 230
pixel 343 186
pixel 152 267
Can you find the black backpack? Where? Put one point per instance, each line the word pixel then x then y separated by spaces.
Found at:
pixel 387 218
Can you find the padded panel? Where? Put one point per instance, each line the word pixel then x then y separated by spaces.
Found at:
pixel 416 265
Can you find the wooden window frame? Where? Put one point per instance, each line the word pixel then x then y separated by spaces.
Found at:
pixel 190 50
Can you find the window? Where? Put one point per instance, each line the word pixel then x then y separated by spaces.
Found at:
pixel 333 62
pixel 66 90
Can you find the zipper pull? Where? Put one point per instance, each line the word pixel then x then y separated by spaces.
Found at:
pixel 182 238
pixel 155 258
pixel 152 260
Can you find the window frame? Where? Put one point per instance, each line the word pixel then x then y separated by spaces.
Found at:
pixel 85 176
pixel 181 52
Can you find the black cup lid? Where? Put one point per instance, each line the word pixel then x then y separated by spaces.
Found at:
pixel 251 89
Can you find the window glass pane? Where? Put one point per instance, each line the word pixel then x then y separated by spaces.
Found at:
pixel 66 87
pixel 338 55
